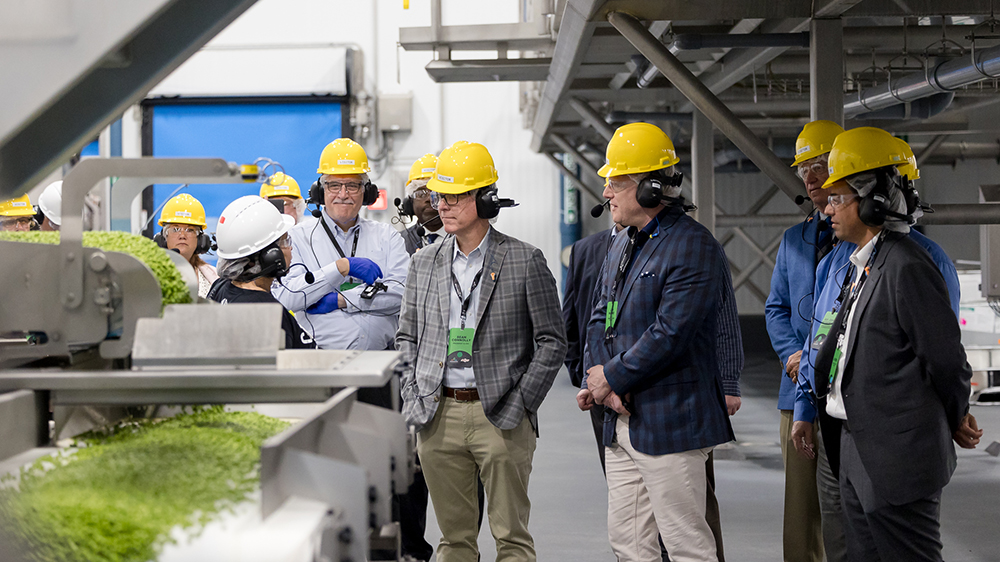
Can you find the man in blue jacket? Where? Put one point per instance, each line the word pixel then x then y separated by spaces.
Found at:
pixel 651 355
pixel 787 310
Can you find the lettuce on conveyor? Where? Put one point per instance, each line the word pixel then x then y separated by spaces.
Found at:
pixel 118 496
pixel 142 248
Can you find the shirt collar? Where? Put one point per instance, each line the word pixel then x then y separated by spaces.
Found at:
pixel 481 248
pixel 860 256
pixel 336 229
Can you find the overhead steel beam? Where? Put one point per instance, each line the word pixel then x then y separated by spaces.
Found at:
pixel 592 118
pixel 589 169
pixel 826 70
pixel 490 70
pixel 575 33
pixel 515 36
pixel 710 105
pixel 595 193
pixel 931 147
pixel 76 115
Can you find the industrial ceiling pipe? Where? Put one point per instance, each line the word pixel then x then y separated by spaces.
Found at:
pixel 923 108
pixel 693 41
pixel 946 76
pixel 971 213
pixel 707 102
pixel 624 116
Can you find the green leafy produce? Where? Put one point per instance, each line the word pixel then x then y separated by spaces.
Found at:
pixel 145 250
pixel 117 497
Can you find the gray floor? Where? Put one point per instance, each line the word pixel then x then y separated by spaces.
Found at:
pixel 569 503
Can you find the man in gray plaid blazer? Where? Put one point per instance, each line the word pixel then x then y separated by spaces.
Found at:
pixel 482 334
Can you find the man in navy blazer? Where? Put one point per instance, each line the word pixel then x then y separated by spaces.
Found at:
pixel 651 355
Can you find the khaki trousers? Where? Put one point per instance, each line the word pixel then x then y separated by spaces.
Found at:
pixel 802 533
pixel 457 448
pixel 650 493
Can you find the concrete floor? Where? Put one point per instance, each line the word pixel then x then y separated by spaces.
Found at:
pixel 569 495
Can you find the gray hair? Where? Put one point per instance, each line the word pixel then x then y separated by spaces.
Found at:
pixel 864 183
pixel 671 191
pixel 243 269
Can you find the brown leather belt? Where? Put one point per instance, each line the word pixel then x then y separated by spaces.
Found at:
pixel 462 394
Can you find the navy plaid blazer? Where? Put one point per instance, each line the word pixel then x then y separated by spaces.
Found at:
pixel 663 349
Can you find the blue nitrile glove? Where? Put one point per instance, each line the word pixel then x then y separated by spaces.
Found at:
pixel 328 303
pixel 364 269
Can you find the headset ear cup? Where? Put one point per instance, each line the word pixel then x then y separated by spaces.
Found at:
pixel 408 206
pixel 160 240
pixel 487 204
pixel 315 194
pixel 649 193
pixel 272 262
pixel 371 194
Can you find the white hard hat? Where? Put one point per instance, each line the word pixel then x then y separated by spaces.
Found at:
pixel 248 225
pixel 50 202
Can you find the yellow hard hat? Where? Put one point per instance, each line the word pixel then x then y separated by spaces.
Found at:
pixel 280 185
pixel 343 156
pixel 860 150
pixel 19 207
pixel 815 140
pixel 636 148
pixel 183 209
pixel 462 167
pixel 909 168
pixel 423 168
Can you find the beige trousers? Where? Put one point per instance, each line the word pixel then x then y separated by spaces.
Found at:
pixel 802 533
pixel 650 493
pixel 456 449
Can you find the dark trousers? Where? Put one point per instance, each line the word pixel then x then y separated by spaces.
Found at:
pixel 877 530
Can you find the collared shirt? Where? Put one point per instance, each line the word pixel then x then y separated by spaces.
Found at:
pixel 465 269
pixel 365 324
pixel 432 236
pixel 835 400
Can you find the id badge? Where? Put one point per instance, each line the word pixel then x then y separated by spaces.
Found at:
pixel 824 329
pixel 460 347
pixel 347 286
pixel 611 315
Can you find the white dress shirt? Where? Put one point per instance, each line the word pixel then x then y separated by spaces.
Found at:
pixel 835 401
pixel 465 268
pixel 363 324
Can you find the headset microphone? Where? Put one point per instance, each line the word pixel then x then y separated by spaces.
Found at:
pixel 822 226
pixel 800 199
pixel 309 277
pixel 598 210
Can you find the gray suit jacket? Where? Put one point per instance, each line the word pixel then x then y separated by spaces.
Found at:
pixel 906 380
pixel 520 341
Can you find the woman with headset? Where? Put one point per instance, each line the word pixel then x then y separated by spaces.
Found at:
pixel 254 250
pixel 183 222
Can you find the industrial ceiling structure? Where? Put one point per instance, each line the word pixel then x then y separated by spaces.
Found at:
pixel 758 70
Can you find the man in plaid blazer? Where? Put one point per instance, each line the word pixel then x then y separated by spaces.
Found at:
pixel 651 355
pixel 481 332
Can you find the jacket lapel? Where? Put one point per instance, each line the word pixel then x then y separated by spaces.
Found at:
pixel 639 265
pixel 442 267
pixel 496 250
pixel 866 293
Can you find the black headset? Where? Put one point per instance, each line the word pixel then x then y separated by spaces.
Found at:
pixel 650 192
pixel 205 242
pixel 316 195
pixel 489 203
pixel 874 208
pixel 272 261
pixel 407 207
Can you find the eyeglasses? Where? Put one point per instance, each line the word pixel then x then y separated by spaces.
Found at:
pixel 284 242
pixel 182 230
pixel 16 223
pixel 450 198
pixel 352 188
pixel 840 201
pixel 817 169
pixel 422 193
pixel 618 186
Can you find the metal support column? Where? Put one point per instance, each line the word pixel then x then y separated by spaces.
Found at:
pixel 709 104
pixel 703 170
pixel 826 70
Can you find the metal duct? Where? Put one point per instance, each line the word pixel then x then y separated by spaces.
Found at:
pixel 922 108
pixel 692 41
pixel 943 77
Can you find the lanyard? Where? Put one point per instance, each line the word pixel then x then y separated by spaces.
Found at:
pixel 336 245
pixel 850 290
pixel 623 264
pixel 465 300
